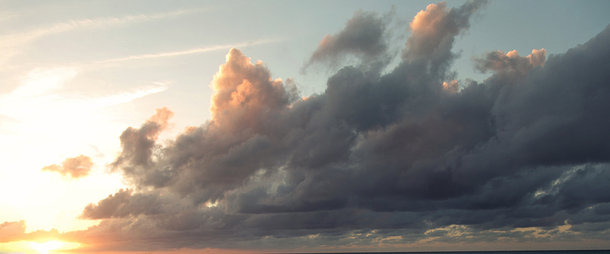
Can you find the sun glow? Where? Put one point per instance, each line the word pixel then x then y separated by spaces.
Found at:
pixel 44 248
pixel 50 246
pixel 42 124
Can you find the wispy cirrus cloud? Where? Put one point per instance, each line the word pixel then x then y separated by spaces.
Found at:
pixel 40 95
pixel 125 97
pixel 17 38
pixel 10 41
pixel 190 51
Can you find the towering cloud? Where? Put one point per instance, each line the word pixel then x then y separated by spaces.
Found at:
pixel 433 32
pixel 75 167
pixel 399 157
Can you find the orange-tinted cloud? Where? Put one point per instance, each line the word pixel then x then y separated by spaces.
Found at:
pixel 537 57
pixel 452 86
pixel 75 167
pixel 11 231
pixel 433 30
pixel 426 28
pixel 510 63
pixel 246 93
pixel 161 117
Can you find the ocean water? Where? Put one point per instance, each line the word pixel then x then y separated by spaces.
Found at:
pixel 487 252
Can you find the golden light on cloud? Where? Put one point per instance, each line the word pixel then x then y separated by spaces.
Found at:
pixel 426 20
pixel 452 86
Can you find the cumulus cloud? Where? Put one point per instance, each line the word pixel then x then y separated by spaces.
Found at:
pixel 433 31
pixel 122 204
pixel 451 86
pixel 138 144
pixel 75 167
pixel 510 63
pixel 11 231
pixel 365 36
pixel 9 43
pixel 389 159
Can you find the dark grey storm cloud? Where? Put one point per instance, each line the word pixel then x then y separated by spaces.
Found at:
pixel 394 157
pixel 365 37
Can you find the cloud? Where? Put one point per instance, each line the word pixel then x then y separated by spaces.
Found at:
pixel 40 95
pixel 41 81
pixel 364 36
pixel 118 205
pixel 9 42
pixel 510 63
pixel 138 144
pixel 42 100
pixel 75 167
pixel 188 52
pixel 433 31
pixel 451 86
pixel 11 231
pixel 16 39
pixel 119 98
pixel 391 160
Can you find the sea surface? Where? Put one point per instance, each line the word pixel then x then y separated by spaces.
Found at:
pixel 486 252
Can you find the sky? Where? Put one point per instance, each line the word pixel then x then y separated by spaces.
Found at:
pixel 303 126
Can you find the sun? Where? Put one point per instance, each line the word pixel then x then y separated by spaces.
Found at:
pixel 44 248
